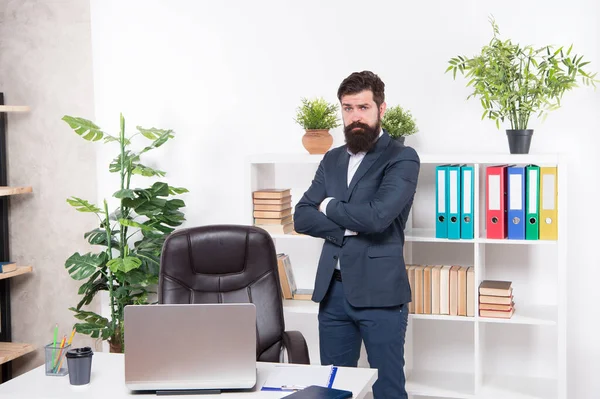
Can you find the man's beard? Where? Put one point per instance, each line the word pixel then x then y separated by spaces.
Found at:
pixel 363 138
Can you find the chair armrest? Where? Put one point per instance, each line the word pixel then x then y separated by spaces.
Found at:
pixel 296 347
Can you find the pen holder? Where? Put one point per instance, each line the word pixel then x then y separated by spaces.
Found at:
pixel 56 364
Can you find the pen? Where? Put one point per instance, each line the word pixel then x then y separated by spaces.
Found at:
pixel 62 345
pixel 71 337
pixel 54 344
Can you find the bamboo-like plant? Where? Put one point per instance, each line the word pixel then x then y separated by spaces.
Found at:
pixel 513 81
pixel 130 237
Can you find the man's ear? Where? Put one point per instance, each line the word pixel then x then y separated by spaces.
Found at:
pixel 382 109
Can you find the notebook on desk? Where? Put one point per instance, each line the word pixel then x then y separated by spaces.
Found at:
pixel 204 347
pixel 318 392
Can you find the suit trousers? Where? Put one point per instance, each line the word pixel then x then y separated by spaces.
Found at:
pixel 342 328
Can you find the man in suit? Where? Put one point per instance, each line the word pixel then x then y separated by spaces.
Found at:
pixel 359 202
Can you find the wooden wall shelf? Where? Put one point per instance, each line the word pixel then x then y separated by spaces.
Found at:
pixel 6 190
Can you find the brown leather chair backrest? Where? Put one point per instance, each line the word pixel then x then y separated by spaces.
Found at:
pixel 226 264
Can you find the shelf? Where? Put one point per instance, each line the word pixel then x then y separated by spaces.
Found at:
pixel 12 350
pixel 533 314
pixel 300 306
pixel 487 159
pixel 20 270
pixel 442 317
pixel 14 108
pixel 428 235
pixel 506 241
pixel 518 387
pixel 440 384
pixel 6 190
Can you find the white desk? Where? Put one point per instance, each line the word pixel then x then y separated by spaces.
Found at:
pixel 108 382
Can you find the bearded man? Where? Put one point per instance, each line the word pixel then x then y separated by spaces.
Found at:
pixel 359 202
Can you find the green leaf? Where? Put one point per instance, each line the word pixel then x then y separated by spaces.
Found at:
pixel 124 264
pixel 160 189
pixel 146 171
pixel 98 237
pixel 83 205
pixel 161 138
pixel 83 127
pixel 94 325
pixel 125 193
pixel 131 223
pixel 177 190
pixel 83 266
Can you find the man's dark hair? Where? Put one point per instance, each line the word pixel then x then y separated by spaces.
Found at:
pixel 365 80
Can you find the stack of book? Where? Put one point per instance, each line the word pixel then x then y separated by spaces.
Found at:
pixel 496 299
pixel 273 210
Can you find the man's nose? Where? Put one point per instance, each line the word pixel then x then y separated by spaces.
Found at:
pixel 356 117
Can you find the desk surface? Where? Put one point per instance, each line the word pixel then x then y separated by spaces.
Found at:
pixel 108 382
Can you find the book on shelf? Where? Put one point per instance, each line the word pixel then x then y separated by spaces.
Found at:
pixel 7 267
pixel 496 299
pixel 272 193
pixel 442 290
pixel 303 294
pixel 286 276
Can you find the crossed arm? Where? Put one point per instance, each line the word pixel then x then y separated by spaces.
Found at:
pixel 395 191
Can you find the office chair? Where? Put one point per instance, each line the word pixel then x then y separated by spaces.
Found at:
pixel 231 264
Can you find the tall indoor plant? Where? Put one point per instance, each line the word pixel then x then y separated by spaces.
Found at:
pixel 514 82
pixel 130 236
pixel 317 117
pixel 399 123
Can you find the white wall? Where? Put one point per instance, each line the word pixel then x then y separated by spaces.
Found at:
pixel 227 76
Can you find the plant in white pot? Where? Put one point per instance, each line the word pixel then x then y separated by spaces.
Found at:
pixel 317 117
pixel 399 123
pixel 515 82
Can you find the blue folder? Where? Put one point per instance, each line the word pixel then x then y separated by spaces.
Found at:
pixel 441 216
pixel 453 201
pixel 515 203
pixel 467 179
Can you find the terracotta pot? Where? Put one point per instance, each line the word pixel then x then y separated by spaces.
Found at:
pixel 317 141
pixel 115 346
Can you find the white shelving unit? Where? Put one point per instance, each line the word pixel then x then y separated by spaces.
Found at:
pixel 455 356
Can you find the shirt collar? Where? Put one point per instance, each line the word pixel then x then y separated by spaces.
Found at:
pixel 363 153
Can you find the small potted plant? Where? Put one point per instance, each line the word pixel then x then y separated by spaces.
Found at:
pixel 399 123
pixel 317 117
pixel 515 82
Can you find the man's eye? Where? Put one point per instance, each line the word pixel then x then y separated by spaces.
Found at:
pixel 347 109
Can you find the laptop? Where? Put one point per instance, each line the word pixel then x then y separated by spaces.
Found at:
pixel 171 348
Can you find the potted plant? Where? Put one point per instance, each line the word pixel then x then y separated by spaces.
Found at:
pixel 515 82
pixel 130 236
pixel 317 117
pixel 399 123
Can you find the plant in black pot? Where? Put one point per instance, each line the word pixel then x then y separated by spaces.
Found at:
pixel 399 123
pixel 515 82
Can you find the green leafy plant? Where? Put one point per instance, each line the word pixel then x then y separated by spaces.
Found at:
pixel 513 81
pixel 398 122
pixel 317 114
pixel 130 237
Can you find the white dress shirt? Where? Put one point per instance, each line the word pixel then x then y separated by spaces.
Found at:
pixel 353 164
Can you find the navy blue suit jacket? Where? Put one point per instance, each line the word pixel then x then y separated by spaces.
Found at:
pixel 376 205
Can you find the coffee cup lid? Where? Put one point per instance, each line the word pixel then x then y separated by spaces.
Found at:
pixel 80 352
